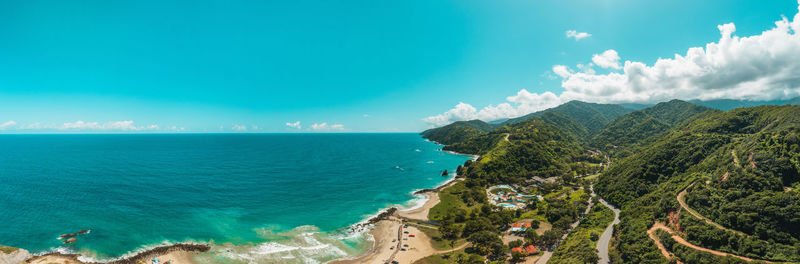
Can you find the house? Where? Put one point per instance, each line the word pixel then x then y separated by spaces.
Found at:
pixel 531 250
pixel 517 249
pixel 520 227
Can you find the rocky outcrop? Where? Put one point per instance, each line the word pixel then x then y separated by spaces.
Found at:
pixel 13 256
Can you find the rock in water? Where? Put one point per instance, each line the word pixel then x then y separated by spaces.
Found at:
pixel 445 173
pixel 70 240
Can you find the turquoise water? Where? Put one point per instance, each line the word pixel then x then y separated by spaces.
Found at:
pixel 255 196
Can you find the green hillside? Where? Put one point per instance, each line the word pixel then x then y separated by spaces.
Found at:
pixel 632 131
pixel 590 115
pixel 743 166
pixel 458 131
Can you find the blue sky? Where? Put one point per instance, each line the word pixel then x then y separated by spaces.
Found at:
pixel 369 66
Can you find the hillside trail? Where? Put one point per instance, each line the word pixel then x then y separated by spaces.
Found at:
pixel 506 138
pixel 682 201
pixel 680 240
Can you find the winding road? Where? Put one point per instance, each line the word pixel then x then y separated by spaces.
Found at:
pixel 682 201
pixel 605 238
pixel 681 197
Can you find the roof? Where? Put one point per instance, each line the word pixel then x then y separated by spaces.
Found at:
pixel 516 249
pixel 528 225
pixel 516 225
pixel 531 249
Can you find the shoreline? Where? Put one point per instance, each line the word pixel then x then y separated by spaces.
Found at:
pixel 382 232
pixel 375 225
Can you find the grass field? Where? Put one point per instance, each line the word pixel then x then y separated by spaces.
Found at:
pixel 449 201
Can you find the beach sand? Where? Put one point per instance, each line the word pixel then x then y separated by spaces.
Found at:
pixel 418 246
pixel 421 213
pixel 384 232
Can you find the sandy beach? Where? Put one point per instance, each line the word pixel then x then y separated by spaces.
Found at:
pixel 389 235
pixel 421 213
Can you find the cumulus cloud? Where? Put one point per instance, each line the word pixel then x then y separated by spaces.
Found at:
pixel 562 71
pixel 295 125
pixel 524 102
pixel 760 67
pixel 607 59
pixel 239 128
pixel 325 127
pixel 7 124
pixel 577 35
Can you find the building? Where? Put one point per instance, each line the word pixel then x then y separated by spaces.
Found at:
pixel 531 250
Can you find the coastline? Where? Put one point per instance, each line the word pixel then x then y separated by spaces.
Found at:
pixel 378 228
pixel 382 233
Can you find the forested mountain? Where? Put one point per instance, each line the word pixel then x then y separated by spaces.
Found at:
pixel 458 131
pixel 740 169
pixel 725 182
pixel 590 115
pixel 630 132
pixel 585 118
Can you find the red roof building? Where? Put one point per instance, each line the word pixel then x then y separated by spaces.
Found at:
pixel 531 250
pixel 516 225
pixel 516 249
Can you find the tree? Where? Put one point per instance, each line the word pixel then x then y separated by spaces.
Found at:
pixel 485 242
pixel 515 243
pixel 476 225
pixel 517 257
pixel 449 230
pixel 550 237
pixel 532 237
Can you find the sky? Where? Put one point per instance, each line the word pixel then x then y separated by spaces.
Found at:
pixel 374 66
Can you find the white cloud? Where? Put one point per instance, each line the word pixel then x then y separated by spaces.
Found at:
pixel 562 71
pixel 607 59
pixel 295 125
pixel 79 125
pixel 577 35
pixel 7 124
pixel 239 128
pixel 524 103
pixel 365 115
pixel 760 67
pixel 325 127
pixel 460 112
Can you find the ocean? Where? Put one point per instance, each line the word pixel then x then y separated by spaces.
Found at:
pixel 288 198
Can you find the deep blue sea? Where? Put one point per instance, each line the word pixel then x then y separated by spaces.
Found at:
pixel 270 197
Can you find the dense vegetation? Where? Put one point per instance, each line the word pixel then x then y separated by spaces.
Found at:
pixel 590 115
pixel 732 190
pixel 580 244
pixel 743 167
pixel 458 131
pixel 631 132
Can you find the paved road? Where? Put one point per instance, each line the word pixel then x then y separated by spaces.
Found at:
pixel 605 238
